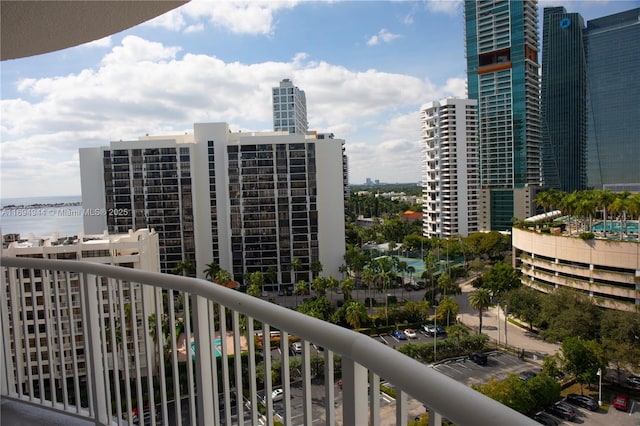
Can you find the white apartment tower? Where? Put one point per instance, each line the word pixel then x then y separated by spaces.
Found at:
pixel 289 108
pixel 451 167
pixel 252 201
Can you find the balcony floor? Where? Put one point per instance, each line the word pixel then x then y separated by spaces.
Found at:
pixel 20 414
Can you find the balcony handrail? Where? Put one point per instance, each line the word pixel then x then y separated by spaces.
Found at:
pixel 441 394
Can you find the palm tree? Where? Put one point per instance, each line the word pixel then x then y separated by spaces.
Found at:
pixel 355 313
pixel 347 287
pixel 633 208
pixel 368 278
pixel 301 287
pixel 296 265
pixel 184 268
pixel 448 308
pixel 211 270
pixel 316 268
pixel 332 285
pixel 480 300
pixel 603 200
pixel 256 281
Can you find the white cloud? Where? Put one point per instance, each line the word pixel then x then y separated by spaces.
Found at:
pixel 145 87
pixel 103 42
pixel 383 36
pixel 240 17
pixel 450 7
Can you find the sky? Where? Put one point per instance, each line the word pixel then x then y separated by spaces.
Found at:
pixel 366 69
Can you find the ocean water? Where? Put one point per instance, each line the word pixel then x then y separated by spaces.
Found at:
pixel 41 216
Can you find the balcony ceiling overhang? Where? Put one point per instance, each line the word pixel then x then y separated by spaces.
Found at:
pixel 33 27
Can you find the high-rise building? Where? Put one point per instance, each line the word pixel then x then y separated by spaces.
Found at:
pixel 564 94
pixel 59 298
pixel 590 88
pixel 502 73
pixel 450 167
pixel 143 184
pixel 289 108
pixel 612 46
pixel 256 201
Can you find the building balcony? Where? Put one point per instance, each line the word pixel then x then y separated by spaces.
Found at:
pixel 207 348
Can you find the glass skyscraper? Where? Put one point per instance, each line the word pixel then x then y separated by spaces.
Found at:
pixel 613 94
pixel 502 73
pixel 564 132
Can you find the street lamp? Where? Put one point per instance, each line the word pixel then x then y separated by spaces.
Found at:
pixel 505 324
pixel 599 387
pixel 435 332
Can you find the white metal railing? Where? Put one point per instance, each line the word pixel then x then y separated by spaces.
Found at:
pixel 104 367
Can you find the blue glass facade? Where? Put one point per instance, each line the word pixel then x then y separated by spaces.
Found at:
pixel 563 106
pixel 502 73
pixel 613 96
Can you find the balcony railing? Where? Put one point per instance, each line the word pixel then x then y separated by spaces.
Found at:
pixel 123 362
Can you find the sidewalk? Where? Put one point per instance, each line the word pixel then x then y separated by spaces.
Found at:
pixel 535 348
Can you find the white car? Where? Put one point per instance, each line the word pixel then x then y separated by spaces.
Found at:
pixel 296 347
pixel 276 395
pixel 410 333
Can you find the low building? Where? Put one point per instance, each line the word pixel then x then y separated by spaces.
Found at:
pixel 606 270
pixel 37 301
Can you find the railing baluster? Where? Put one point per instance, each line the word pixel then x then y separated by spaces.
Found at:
pixel 203 338
pixel 57 282
pixel 73 335
pixel 285 376
pixel 93 354
pixel 103 340
pixel 122 328
pixel 25 328
pixel 268 385
pixel 237 358
pixel 160 337
pixel 307 408
pixel 401 407
pixel 253 389
pixel 329 388
pixel 211 312
pixel 177 400
pixel 188 338
pixel 225 365
pixel 48 329
pixel 374 399
pixel 354 400
pixel 145 294
pixel 112 288
pixel 133 322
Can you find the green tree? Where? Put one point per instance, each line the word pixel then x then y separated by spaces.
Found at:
pixel 500 278
pixel 447 286
pixel 447 309
pixel 583 359
pixel 211 270
pixel 480 300
pixel 347 286
pixel 184 268
pixel 256 282
pixel 316 268
pixel 318 307
pixel 355 313
pixel 567 313
pixel 223 278
pixel 525 303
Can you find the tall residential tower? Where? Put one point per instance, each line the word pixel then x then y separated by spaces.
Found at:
pixel 289 108
pixel 249 201
pixel 450 167
pixel 502 73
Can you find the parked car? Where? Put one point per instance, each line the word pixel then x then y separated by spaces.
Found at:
pixel 398 335
pixel 633 381
pixel 545 419
pixel 296 347
pixel 621 402
pixel 433 329
pixel 525 376
pixel 583 401
pixel 562 410
pixel 410 333
pixel 479 358
pixel 276 395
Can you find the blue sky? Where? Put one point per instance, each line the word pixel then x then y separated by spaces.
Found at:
pixel 366 68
